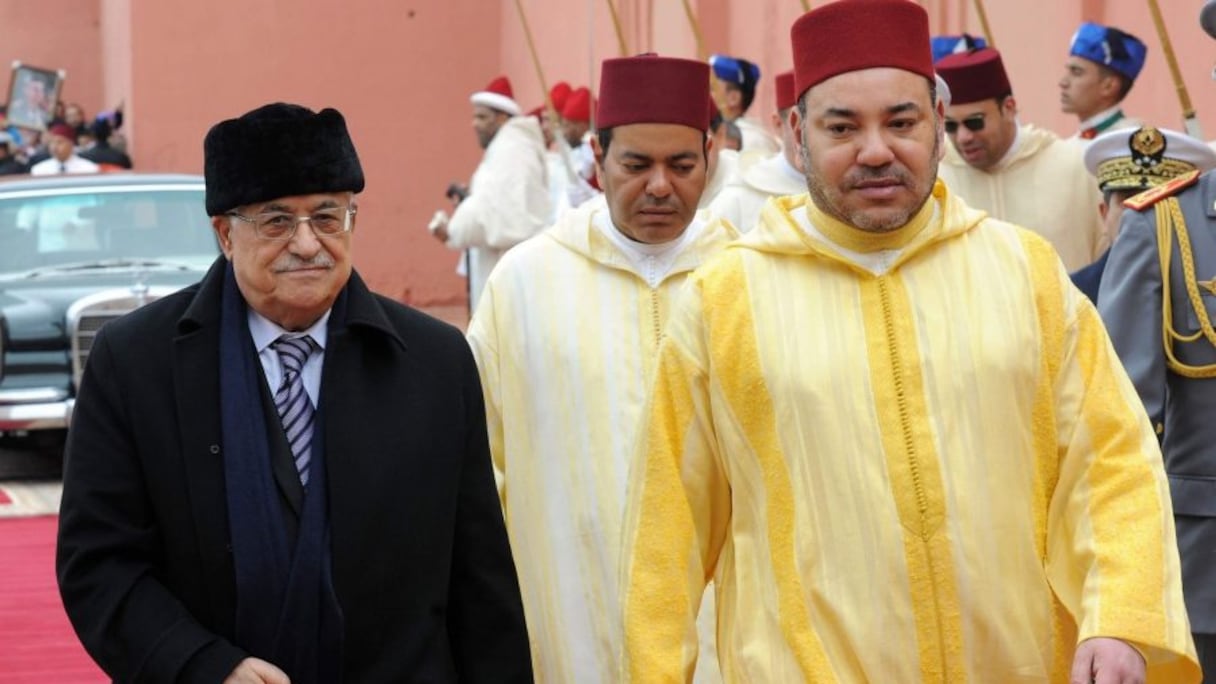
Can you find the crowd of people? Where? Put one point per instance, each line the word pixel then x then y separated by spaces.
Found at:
pixel 68 143
pixel 897 388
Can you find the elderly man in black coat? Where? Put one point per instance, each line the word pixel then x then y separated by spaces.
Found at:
pixel 275 475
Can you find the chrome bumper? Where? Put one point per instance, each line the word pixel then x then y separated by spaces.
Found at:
pixel 35 409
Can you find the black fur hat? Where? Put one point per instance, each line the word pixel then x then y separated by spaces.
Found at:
pixel 278 150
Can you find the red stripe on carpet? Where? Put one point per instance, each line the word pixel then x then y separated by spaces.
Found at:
pixel 5 499
pixel 37 643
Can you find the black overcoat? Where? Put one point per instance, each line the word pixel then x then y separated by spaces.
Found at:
pixel 421 564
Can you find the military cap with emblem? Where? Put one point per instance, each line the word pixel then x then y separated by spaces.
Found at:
pixel 1136 159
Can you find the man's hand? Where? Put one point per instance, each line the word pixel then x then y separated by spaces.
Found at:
pixel 256 671
pixel 1107 661
pixel 439 226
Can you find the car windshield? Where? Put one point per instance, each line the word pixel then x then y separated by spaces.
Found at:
pixel 108 227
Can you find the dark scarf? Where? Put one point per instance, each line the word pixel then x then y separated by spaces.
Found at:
pixel 286 609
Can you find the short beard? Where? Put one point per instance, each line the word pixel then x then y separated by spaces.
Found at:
pixel 861 219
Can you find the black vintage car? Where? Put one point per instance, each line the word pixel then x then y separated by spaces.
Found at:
pixel 75 252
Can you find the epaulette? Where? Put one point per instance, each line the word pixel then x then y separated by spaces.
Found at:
pixel 1151 196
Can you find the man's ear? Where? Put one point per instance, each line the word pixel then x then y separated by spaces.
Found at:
pixel 598 153
pixel 1103 210
pixel 939 129
pixel 796 125
pixel 222 225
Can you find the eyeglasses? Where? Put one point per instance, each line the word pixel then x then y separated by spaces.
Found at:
pixel 975 124
pixel 281 226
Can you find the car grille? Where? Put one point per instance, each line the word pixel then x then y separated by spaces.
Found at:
pixel 82 338
pixel 87 315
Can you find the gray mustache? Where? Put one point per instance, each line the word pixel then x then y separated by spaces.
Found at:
pixel 322 260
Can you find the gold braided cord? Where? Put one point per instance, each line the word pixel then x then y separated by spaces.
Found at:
pixel 1170 222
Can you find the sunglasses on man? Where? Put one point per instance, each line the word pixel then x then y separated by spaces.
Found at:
pixel 975 124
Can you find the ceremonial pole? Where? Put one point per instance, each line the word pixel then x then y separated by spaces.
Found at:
pixel 562 146
pixel 696 30
pixel 616 24
pixel 701 55
pixel 1190 120
pixel 979 10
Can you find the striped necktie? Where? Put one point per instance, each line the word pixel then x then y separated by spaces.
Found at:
pixel 292 402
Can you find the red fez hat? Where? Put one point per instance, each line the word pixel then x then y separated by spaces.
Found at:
pixel 578 105
pixel 502 86
pixel 785 90
pixel 851 35
pixel 64 130
pixel 558 94
pixel 653 89
pixel 974 76
pixel 498 96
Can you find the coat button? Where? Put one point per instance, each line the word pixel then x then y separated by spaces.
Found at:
pixel 215 448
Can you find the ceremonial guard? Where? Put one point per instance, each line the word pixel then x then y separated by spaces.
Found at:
pixel 738 78
pixel 1103 63
pixel 507 201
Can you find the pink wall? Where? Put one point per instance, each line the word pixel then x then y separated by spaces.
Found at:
pixel 392 68
pixel 402 72
pixel 55 35
pixel 115 60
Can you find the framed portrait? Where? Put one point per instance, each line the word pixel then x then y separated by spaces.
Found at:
pixel 32 93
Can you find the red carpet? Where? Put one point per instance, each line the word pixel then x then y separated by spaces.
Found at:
pixel 37 643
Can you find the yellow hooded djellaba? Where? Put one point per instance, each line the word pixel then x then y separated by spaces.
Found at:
pixel 905 457
pixel 566 340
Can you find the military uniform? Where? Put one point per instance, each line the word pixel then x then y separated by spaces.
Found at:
pixel 1129 161
pixel 1161 328
pixel 1112 119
